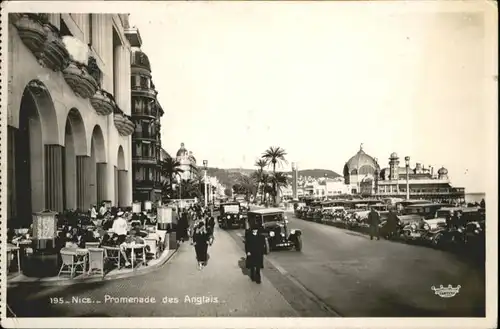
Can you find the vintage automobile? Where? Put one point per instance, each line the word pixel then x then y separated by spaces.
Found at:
pixel 275 226
pixel 231 216
pixel 426 210
pixel 418 228
pixel 333 213
pixel 466 224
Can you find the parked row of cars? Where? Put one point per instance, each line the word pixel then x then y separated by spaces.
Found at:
pixel 439 225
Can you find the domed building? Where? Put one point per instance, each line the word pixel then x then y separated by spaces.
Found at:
pixel 360 167
pixel 187 161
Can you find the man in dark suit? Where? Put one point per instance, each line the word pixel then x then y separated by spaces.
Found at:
pixel 255 247
pixel 374 221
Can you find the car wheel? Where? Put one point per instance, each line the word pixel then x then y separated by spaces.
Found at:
pixel 298 243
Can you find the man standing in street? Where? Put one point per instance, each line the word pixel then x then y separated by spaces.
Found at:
pixel 392 224
pixel 255 246
pixel 374 221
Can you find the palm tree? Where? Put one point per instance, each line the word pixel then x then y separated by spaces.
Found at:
pixel 247 184
pixel 266 185
pixel 275 155
pixel 170 167
pixel 279 180
pixel 261 163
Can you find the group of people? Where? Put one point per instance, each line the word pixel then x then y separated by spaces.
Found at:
pixel 196 223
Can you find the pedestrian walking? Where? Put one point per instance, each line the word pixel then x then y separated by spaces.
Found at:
pixel 201 240
pixel 392 224
pixel 255 248
pixel 374 221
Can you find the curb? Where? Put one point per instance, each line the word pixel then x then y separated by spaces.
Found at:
pixel 70 282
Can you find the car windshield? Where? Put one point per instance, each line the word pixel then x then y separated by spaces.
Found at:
pixel 442 213
pixel 273 218
pixel 233 208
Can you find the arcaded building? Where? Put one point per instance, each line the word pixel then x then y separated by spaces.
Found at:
pixel 146 115
pixel 69 124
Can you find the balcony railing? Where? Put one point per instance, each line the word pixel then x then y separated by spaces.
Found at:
pixel 144 90
pixel 144 135
pixel 145 159
pixel 436 193
pixel 147 183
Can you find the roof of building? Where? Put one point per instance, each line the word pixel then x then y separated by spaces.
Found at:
pixel 139 58
pixel 182 151
pixel 443 171
pixel 361 159
pixel 266 211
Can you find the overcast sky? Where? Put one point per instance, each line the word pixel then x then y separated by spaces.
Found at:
pixel 319 79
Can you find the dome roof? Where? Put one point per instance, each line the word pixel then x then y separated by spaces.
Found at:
pixel 394 155
pixel 182 151
pixel 140 59
pixel 443 171
pixel 361 159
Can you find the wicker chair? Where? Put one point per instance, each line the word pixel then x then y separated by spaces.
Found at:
pixel 91 245
pixel 112 254
pixel 96 261
pixel 153 247
pixel 69 264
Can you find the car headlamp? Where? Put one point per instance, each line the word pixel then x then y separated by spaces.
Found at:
pixel 413 226
pixel 460 230
pixel 476 231
pixel 241 216
pixel 228 217
pixel 292 231
pixel 427 227
pixel 271 234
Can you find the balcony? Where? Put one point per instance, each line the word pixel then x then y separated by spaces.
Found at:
pixel 31 31
pixel 148 160
pixel 103 102
pixel 124 124
pixel 144 135
pixel 150 184
pixel 77 73
pixel 144 91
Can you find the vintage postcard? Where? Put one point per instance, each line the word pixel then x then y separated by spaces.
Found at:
pixel 220 164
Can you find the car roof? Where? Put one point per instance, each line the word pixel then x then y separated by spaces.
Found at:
pixel 229 203
pixel 266 211
pixel 425 205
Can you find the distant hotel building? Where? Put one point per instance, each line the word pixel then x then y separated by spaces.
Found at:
pixel 146 114
pixel 187 162
pixel 363 176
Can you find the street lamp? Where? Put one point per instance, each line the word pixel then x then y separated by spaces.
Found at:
pixel 205 165
pixel 376 177
pixel 407 162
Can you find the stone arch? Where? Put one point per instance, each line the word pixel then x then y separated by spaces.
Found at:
pixel 120 159
pixel 99 144
pixel 27 188
pixel 44 104
pixel 354 172
pixel 77 130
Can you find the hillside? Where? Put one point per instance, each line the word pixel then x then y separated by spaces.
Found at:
pixel 229 176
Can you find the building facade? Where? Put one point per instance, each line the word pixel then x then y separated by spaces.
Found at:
pixel 69 122
pixel 146 115
pixel 187 163
pixel 359 167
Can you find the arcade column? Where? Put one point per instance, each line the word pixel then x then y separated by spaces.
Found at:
pixel 83 181
pixel 102 177
pixel 54 184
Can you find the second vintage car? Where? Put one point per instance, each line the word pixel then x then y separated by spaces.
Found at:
pixel 275 226
pixel 231 216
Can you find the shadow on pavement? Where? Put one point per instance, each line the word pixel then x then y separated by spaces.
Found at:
pixel 243 265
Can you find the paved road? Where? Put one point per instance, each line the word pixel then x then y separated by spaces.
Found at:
pixel 223 288
pixel 357 277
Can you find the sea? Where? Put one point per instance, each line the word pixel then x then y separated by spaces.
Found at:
pixel 474 197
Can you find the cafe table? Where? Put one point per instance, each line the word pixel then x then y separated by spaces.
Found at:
pixel 79 253
pixel 133 247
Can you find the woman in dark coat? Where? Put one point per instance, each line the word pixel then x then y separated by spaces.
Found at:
pixel 255 247
pixel 201 239
pixel 182 227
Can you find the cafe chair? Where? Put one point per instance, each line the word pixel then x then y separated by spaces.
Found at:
pixel 113 255
pixel 69 264
pixel 91 245
pixel 96 261
pixel 153 246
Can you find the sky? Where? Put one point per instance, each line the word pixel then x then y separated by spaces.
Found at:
pixel 319 79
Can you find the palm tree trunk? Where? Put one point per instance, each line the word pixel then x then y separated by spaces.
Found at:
pixel 274 184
